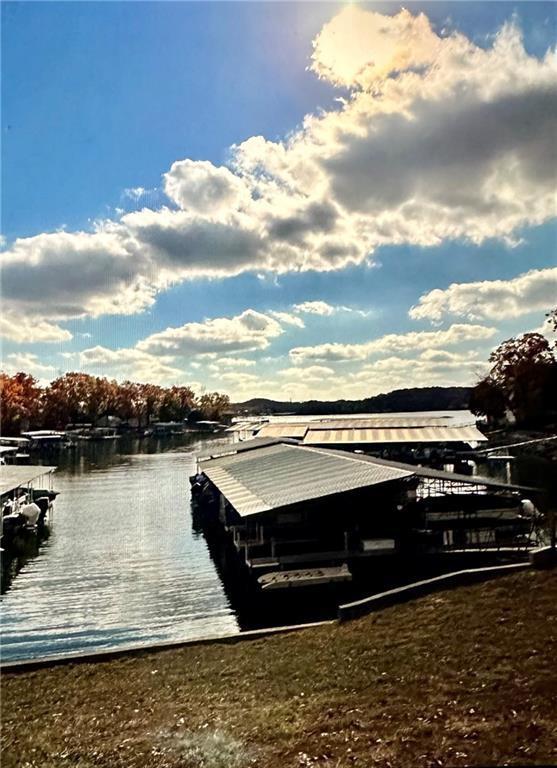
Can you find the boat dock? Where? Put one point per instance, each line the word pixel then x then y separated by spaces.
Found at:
pixel 26 507
pixel 409 437
pixel 302 515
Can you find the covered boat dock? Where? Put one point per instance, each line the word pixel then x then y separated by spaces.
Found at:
pixel 18 478
pixel 387 435
pixel 289 507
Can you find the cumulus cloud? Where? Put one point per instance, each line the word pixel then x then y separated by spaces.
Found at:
pixel 360 47
pixel 312 373
pixel 25 330
pixel 425 369
pixel 421 111
pixel 250 330
pixel 325 309
pixel 64 275
pixel 28 363
pixel 392 342
pixel 231 363
pixel 315 308
pixel 241 380
pixel 287 318
pixel 200 186
pixel 130 364
pixel 498 299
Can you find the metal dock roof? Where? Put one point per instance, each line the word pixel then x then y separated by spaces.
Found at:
pixel 284 430
pixel 12 477
pixel 229 449
pixel 378 422
pixel 317 435
pixel 279 475
pixel 441 474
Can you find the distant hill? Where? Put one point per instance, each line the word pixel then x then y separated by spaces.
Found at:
pixel 417 399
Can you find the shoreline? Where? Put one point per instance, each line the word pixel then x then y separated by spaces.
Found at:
pixel 463 676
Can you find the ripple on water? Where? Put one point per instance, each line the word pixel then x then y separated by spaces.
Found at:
pixel 122 565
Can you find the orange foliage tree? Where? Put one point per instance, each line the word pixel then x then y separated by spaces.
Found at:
pixel 78 398
pixel 20 398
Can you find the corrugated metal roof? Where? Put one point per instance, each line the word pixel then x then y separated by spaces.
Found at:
pixel 439 474
pixel 283 430
pixel 379 422
pixel 279 475
pixel 231 449
pixel 13 477
pixel 243 426
pixel 444 434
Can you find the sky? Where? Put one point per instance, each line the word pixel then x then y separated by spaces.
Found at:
pixel 286 200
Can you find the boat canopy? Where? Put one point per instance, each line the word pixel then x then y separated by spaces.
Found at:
pixel 279 475
pixel 13 477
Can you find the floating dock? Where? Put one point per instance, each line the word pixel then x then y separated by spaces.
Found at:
pixel 299 514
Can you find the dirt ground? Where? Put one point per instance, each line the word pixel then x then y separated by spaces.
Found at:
pixel 465 677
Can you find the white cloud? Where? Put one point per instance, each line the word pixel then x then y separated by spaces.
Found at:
pixel 64 275
pixel 134 193
pixel 497 299
pixel 131 364
pixel 201 187
pixel 239 379
pixel 28 363
pixel 231 363
pixel 315 308
pixel 287 318
pixel 313 373
pixel 414 340
pixel 546 329
pixel 362 48
pixel 248 331
pixel 27 330
pixel 423 370
pixel 422 111
pixel 325 309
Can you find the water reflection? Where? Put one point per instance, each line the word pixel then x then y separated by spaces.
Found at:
pixel 122 565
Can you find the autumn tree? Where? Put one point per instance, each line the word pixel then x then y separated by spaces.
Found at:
pixel 176 403
pixel 78 398
pixel 523 376
pixel 151 398
pixel 20 402
pixel 128 403
pixel 212 405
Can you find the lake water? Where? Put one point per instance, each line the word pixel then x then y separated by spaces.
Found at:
pixel 122 565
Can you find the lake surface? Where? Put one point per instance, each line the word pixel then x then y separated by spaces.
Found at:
pixel 122 565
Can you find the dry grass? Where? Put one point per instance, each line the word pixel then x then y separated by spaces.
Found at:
pixel 460 678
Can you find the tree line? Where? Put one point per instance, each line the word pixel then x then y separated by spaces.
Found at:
pixel 78 398
pixel 412 399
pixel 522 382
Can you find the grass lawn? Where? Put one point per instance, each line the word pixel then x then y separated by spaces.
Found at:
pixel 462 677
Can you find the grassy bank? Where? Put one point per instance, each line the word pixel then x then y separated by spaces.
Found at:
pixel 465 677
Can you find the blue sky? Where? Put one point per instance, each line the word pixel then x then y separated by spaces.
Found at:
pixel 150 234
